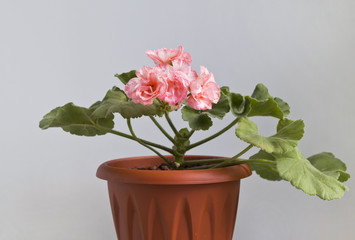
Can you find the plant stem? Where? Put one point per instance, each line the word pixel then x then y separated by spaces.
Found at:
pixel 236 162
pixel 242 152
pixel 121 134
pixel 162 130
pixel 255 161
pixel 190 134
pixel 224 163
pixel 205 161
pixel 214 135
pixel 171 124
pixel 145 145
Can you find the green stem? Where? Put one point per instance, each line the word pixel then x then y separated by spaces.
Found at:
pixel 171 124
pixel 121 134
pixel 224 163
pixel 242 152
pixel 204 161
pixel 190 134
pixel 236 162
pixel 145 145
pixel 242 161
pixel 162 130
pixel 214 135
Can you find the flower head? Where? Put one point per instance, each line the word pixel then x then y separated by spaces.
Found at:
pixel 149 84
pixel 185 68
pixel 167 55
pixel 177 85
pixel 204 91
pixel 171 80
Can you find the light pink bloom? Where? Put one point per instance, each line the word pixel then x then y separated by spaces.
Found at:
pixel 204 91
pixel 177 86
pixel 167 55
pixel 185 68
pixel 186 57
pixel 149 84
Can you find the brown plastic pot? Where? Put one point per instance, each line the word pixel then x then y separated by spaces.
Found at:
pixel 172 204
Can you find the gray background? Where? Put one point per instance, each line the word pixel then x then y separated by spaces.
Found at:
pixel 54 52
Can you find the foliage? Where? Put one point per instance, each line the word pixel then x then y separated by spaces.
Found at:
pixel 155 92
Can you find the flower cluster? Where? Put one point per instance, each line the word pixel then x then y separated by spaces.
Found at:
pixel 173 80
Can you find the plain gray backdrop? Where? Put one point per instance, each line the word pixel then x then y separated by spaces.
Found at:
pixel 54 52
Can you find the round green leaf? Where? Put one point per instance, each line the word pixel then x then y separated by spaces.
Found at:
pixel 267 107
pixel 328 164
pixel 265 170
pixel 284 140
pixel 263 104
pixel 296 169
pixel 125 77
pixel 197 119
pixel 77 120
pixel 219 109
pixel 261 92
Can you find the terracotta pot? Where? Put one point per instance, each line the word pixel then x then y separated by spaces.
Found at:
pixel 172 204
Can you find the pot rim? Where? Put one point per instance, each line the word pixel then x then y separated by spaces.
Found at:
pixel 121 170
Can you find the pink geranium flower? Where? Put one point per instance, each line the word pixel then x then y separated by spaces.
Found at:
pixel 204 91
pixel 185 68
pixel 177 86
pixel 167 55
pixel 149 84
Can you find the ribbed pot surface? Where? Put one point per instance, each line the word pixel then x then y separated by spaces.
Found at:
pixel 172 204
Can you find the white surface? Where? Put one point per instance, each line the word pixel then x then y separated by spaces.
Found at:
pixel 54 52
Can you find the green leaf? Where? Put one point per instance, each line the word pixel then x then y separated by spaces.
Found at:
pixel 197 120
pixel 219 109
pixel 201 119
pixel 182 139
pixel 77 120
pixel 330 165
pixel 267 107
pixel 283 123
pixel 224 90
pixel 125 77
pixel 265 170
pixel 261 93
pixel 237 104
pixel 296 169
pixel 285 108
pixel 344 176
pixel 184 132
pixel 263 104
pixel 286 138
pixel 116 101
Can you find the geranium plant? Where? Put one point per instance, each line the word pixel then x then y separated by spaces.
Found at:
pixel 172 85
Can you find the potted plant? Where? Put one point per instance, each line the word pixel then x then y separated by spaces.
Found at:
pixel 179 196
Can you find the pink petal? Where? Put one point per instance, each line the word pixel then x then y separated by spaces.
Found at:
pixel 204 91
pixel 150 84
pixel 184 67
pixel 167 55
pixel 199 104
